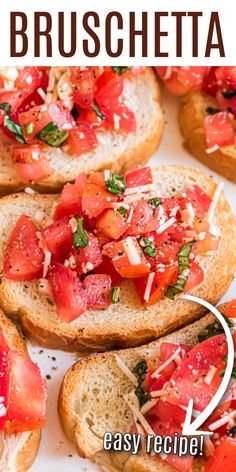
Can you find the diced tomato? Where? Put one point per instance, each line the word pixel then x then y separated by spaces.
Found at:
pixel 30 163
pixel 109 86
pixel 68 292
pixel 58 238
pixel 126 118
pixel 210 83
pixel 180 80
pixel 83 83
pixel 70 201
pixel 209 243
pixel 15 98
pixel 230 310
pixel 183 464
pixel 128 259
pixel 166 411
pixel 199 200
pixel 226 75
pixel 112 224
pixel 189 382
pixel 159 283
pixel 139 177
pixel 82 139
pixel 153 384
pixel 27 395
pixel 201 226
pixel 219 130
pixel 166 252
pixel 87 258
pixel 106 267
pixel 144 219
pixel 23 257
pixel 98 288
pixel 29 78
pixel 166 351
pixel 195 276
pixel 4 367
pixel 96 198
pixel 224 457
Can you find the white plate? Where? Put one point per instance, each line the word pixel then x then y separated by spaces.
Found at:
pixel 56 453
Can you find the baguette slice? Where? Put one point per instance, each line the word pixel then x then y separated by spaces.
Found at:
pixel 91 403
pixel 191 118
pixel 17 451
pixel 126 323
pixel 119 151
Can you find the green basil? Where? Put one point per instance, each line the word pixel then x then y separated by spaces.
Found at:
pixel 29 129
pixel 212 110
pixel 6 107
pixel 123 212
pixel 229 94
pixel 52 135
pixel 15 129
pixel 183 263
pixel 213 329
pixel 177 288
pixel 115 297
pixel 147 246
pixel 80 238
pixel 232 431
pixel 140 371
pixel 97 111
pixel 121 70
pixel 116 185
pixel 183 254
pixel 155 202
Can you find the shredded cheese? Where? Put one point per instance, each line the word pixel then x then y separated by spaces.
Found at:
pixel 210 375
pixel 148 406
pixel 126 370
pixel 47 254
pixel 212 149
pixel 149 286
pixel 138 190
pixel 222 421
pixel 166 225
pixel 130 400
pixel 132 251
pixel 156 393
pixel 73 224
pixel 41 93
pixel 166 363
pixel 214 202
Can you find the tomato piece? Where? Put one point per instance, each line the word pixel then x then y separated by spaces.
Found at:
pixel 144 219
pixel 70 201
pixel 201 226
pixel 224 457
pixel 112 224
pixel 31 164
pixel 98 288
pixel 15 98
pixel 95 197
pixel 180 80
pixel 166 351
pixel 230 310
pixel 210 83
pixel 164 411
pixel 219 130
pixel 166 252
pixel 29 78
pixel 209 243
pixel 126 118
pixel 87 258
pixel 151 385
pixel 83 83
pixel 139 177
pixel 195 276
pixel 106 267
pixel 82 139
pixel 226 76
pixel 199 200
pixel 189 383
pixel 109 85
pixel 27 394
pixel 153 287
pixel 58 238
pixel 128 259
pixel 4 367
pixel 183 464
pixel 68 292
pixel 23 257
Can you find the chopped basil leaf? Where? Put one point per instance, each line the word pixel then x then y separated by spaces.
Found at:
pixel 115 294
pixel 116 184
pixel 29 129
pixel 147 246
pixel 229 94
pixel 140 371
pixel 155 202
pixel 212 110
pixel 6 106
pixel 123 212
pixel 233 375
pixel 97 111
pixel 177 288
pixel 232 431
pixel 213 329
pixel 183 254
pixel 15 129
pixel 52 135
pixel 121 70
pixel 80 238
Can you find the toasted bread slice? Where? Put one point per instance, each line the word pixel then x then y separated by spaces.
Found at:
pixel 91 402
pixel 126 323
pixel 119 150
pixel 17 451
pixel 191 118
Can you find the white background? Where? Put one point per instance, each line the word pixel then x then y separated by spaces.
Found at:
pixel 226 9
pixel 55 449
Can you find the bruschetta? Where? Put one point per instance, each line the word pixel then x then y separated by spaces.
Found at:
pixel 145 391
pixel 59 121
pixel 103 264
pixel 207 113
pixel 22 402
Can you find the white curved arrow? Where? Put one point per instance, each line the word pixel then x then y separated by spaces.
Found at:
pixel 191 429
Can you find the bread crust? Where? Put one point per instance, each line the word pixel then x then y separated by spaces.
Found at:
pixel 27 453
pixel 83 411
pixel 121 153
pixel 125 324
pixel 191 119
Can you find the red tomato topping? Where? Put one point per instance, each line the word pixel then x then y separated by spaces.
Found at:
pixel 153 287
pixel 58 238
pixel 68 292
pixel 164 411
pixel 180 80
pixel 166 351
pixel 70 202
pixel 224 457
pixel 230 310
pixel 112 224
pixel 144 219
pixel 139 177
pixel 4 371
pixel 195 276
pixel 106 267
pixel 30 163
pixel 96 198
pixel 23 258
pixel 129 260
pixel 83 83
pixel 82 139
pixel 219 130
pixel 87 258
pixel 98 288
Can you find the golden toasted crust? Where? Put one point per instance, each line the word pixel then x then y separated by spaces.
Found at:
pixel 125 324
pixel 142 94
pixel 191 118
pixel 28 451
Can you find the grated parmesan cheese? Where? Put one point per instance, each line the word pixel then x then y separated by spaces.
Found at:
pixel 166 363
pixel 130 400
pixel 126 370
pixel 210 375
pixel 149 286
pixel 132 251
pixel 166 225
pixel 222 421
